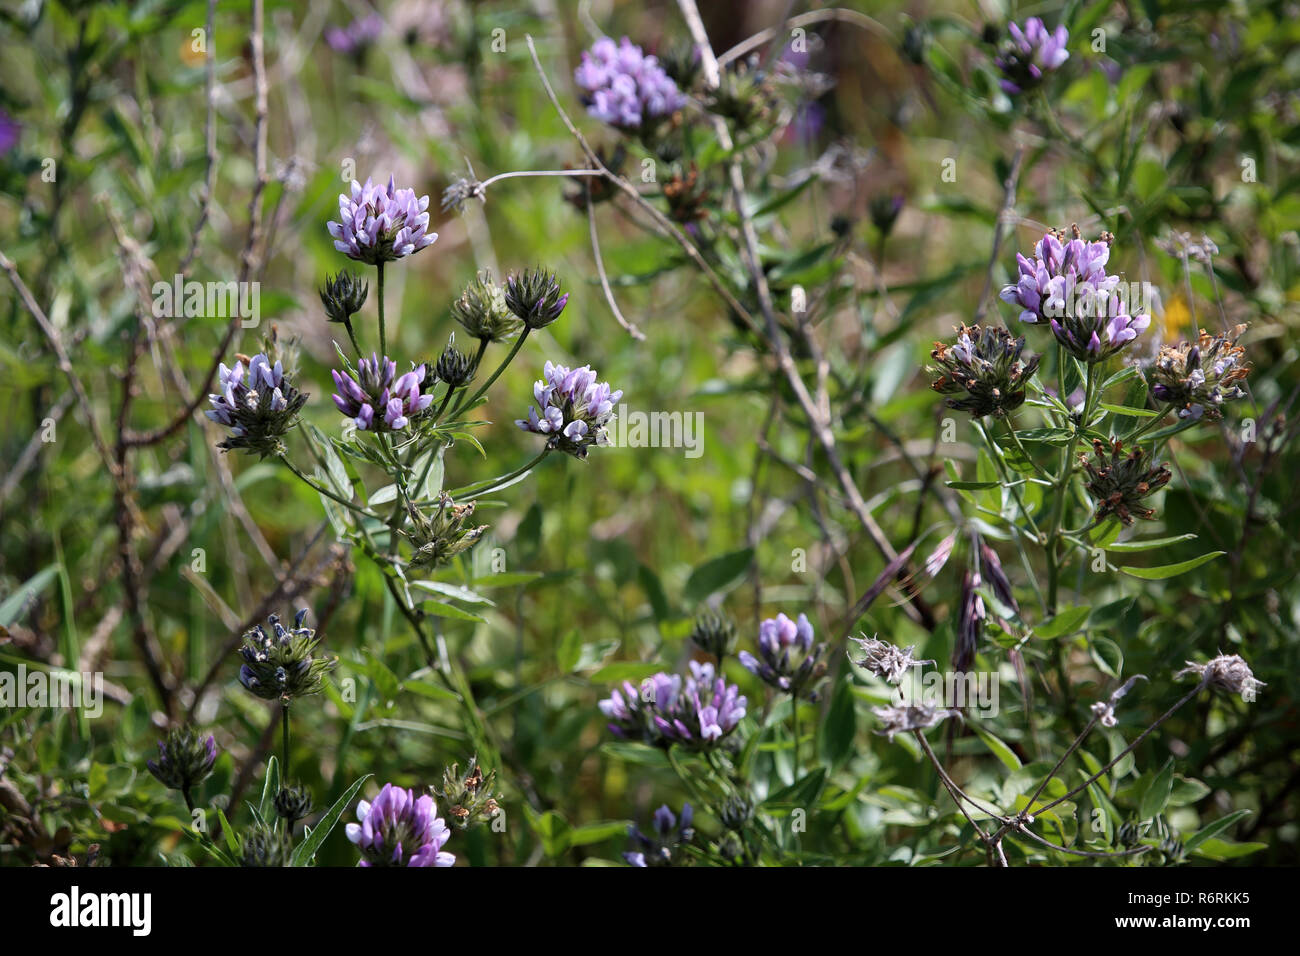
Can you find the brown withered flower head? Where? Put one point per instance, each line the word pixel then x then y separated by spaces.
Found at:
pixel 1198 377
pixel 1119 480
pixel 687 197
pixel 469 796
pixel 985 368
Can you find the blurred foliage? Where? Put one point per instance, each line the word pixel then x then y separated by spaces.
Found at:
pixel 591 573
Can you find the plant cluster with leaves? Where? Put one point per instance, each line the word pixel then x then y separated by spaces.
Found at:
pixel 986 554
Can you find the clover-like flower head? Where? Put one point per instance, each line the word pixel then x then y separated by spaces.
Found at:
pixel 376 398
pixel 378 224
pixel 1030 54
pixel 624 87
pixel 398 828
pixel 258 403
pixel 1066 285
pixel 984 368
pixel 575 409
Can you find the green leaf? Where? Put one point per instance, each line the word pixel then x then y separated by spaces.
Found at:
pixel 654 592
pixel 1107 656
pixel 1000 750
pixel 555 832
pixel 1170 570
pixel 717 574
pixel 506 579
pixel 270 787
pixel 452 591
pixel 1067 622
pixel 624 670
pixel 15 605
pixel 232 841
pixel 841 725
pixel 386 683
pixel 802 793
pixel 305 850
pixel 569 652
pixel 439 609
pixel 972 485
pixel 429 689
pixel 1211 830
pixel 1157 792
pixel 597 832
pixel 1225 850
pixel 1150 544
pixel 1129 411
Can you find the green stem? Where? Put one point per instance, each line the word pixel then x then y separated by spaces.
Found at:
pixel 383 335
pixel 325 491
pixel 1063 486
pixel 794 710
pixel 1150 424
pixel 352 337
pixel 478 356
pixel 442 407
pixel 519 343
pixel 452 678
pixel 491 484
pixel 1015 438
pixel 996 455
pixel 284 740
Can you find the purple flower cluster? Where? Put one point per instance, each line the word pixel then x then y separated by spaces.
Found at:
pixel 777 638
pixel 698 713
pixel 1066 285
pixel 399 829
pixel 575 409
pixel 657 848
pixel 357 35
pixel 257 403
pixel 10 129
pixel 624 87
pixel 376 399
pixel 381 224
pixel 1031 54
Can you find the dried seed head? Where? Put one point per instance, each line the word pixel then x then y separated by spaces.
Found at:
pixel 886 660
pixel 1227 672
pixel 1198 377
pixel 1119 481
pixel 904 718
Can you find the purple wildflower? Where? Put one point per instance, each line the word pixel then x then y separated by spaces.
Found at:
pixel 257 403
pixel 10 129
pixel 669 833
pixel 381 224
pixel 575 409
pixel 377 399
pixel 777 638
pixel 698 713
pixel 400 829
pixel 1066 285
pixel 356 36
pixel 1030 54
pixel 624 87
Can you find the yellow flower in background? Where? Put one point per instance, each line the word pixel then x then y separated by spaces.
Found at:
pixel 1175 319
